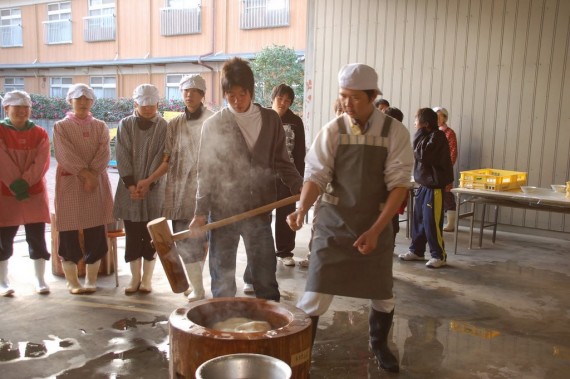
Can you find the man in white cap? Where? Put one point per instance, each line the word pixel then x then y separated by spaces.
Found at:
pixel 25 156
pixel 83 197
pixel 181 148
pixel 140 194
pixel 359 164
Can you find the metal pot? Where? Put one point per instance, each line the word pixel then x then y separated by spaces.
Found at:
pixel 249 366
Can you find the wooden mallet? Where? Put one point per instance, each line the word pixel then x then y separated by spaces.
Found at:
pixel 164 241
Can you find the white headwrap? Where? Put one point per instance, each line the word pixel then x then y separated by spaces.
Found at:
pixel 192 81
pixel 17 98
pixel 146 94
pixel 78 90
pixel 442 110
pixel 358 76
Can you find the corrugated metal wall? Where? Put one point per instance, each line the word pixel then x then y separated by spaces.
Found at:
pixel 501 68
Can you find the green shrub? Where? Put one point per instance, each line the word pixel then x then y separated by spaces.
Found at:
pixel 112 110
pixel 48 108
pixel 274 65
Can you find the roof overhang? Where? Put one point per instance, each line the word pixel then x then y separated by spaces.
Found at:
pixel 132 62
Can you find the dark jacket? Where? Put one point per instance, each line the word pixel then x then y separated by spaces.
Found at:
pixel 295 142
pixel 432 166
pixel 231 179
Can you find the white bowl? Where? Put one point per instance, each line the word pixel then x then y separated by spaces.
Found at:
pixel 558 188
pixel 529 189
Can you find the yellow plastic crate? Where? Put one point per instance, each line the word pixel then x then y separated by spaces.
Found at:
pixel 492 179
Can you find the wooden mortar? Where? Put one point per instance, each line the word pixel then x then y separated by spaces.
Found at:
pixel 193 342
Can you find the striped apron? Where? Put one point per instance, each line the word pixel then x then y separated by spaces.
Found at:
pixel 350 206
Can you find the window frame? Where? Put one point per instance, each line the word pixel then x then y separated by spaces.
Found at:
pixel 101 88
pixel 62 25
pixel 101 22
pixel 172 82
pixel 101 7
pixel 63 86
pixel 14 22
pixel 181 17
pixel 248 22
pixel 180 4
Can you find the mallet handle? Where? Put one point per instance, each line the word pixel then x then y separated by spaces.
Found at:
pixel 242 216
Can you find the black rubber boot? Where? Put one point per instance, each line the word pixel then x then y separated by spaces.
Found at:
pixel 315 323
pixel 380 324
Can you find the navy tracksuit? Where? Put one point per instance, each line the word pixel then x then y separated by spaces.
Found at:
pixel 433 171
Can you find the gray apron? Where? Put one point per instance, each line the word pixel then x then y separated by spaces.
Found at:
pixel 350 206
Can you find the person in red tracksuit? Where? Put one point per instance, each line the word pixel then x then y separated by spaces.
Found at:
pixel 24 157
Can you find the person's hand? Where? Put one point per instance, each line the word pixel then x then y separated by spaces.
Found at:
pixel 20 188
pixel 89 179
pixel 295 220
pixel 196 225
pixel 367 242
pixel 89 185
pixel 134 193
pixel 143 187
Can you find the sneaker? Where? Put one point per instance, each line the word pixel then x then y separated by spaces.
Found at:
pixel 287 261
pixel 409 256
pixel 435 263
pixel 304 263
pixel 248 288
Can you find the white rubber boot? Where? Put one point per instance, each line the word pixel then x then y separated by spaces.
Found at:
pixel 40 268
pixel 451 218
pixel 190 289
pixel 136 276
pixel 194 271
pixel 5 289
pixel 91 271
pixel 70 271
pixel 148 269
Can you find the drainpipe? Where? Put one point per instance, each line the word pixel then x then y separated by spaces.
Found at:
pixel 119 76
pixel 150 45
pixel 38 36
pixel 212 44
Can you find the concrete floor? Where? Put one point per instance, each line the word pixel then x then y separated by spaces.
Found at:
pixel 499 312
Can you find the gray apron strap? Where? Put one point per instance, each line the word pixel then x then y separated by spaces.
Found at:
pixel 386 128
pixel 341 125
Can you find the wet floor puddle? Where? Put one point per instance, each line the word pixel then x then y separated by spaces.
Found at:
pixel 10 351
pixel 132 361
pixel 428 347
pixel 422 344
pixel 144 360
pixel 130 323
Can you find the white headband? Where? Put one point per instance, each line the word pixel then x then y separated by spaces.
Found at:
pixel 442 110
pixel 192 81
pixel 146 94
pixel 17 98
pixel 358 76
pixel 78 90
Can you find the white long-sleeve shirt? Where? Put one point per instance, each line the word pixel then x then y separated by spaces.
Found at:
pixel 249 123
pixel 319 161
